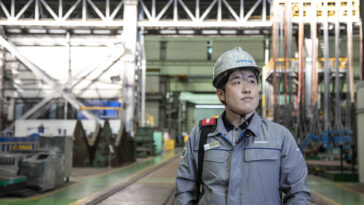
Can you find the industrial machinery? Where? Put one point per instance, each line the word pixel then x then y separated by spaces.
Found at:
pixel 330 139
pixel 25 168
pixel 9 168
pixel 44 169
pixel 144 142
pixel 101 148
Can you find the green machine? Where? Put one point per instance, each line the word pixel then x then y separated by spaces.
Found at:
pixel 144 140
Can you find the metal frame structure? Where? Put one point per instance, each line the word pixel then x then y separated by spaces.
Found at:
pixel 158 13
pixel 174 17
pixel 59 90
pixel 321 15
pixel 165 17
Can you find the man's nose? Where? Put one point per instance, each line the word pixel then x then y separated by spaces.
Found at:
pixel 245 87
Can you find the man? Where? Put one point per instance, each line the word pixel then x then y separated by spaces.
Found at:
pixel 247 159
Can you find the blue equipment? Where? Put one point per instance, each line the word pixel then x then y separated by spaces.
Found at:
pixel 330 139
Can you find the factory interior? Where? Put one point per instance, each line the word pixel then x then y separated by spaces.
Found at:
pixel 98 97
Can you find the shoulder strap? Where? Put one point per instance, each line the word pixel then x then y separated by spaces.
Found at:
pixel 206 126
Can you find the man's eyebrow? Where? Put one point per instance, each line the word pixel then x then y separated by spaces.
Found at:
pixel 235 77
pixel 251 75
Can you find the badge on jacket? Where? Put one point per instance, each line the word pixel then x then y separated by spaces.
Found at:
pixel 211 145
pixel 184 152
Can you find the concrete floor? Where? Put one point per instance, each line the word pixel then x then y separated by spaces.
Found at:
pixel 152 181
pixel 154 189
pixel 336 193
pixel 92 183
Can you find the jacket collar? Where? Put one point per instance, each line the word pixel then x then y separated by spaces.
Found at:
pixel 253 127
pixel 255 124
pixel 230 126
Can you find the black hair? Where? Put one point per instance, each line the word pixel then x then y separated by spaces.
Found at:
pixel 224 79
pixel 222 83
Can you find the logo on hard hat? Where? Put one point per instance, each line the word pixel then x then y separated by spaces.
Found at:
pixel 218 65
pixel 244 61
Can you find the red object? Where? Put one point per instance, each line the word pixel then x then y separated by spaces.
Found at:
pixel 210 121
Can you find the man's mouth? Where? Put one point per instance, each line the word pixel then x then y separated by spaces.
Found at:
pixel 247 98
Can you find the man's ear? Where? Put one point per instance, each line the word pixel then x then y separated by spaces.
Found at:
pixel 220 94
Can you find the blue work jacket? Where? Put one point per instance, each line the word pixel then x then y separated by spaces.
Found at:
pixel 262 164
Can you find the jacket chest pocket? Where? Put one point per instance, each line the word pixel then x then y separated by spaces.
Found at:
pixel 260 169
pixel 214 166
pixel 262 163
pixel 263 154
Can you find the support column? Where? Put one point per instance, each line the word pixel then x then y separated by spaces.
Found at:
pixel 300 59
pixel 308 77
pixel 361 66
pixel 349 72
pixel 287 47
pixel 274 44
pixel 267 105
pixel 326 76
pixel 2 100
pixel 360 129
pixel 314 55
pixel 338 124
pixel 130 39
pixel 68 48
pixel 350 51
pixel 289 50
pixel 144 70
pixel 68 54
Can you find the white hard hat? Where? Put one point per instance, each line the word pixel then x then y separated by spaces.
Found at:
pixel 233 59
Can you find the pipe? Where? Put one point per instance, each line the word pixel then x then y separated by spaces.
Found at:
pixel 337 55
pixel 326 77
pixel 274 44
pixel 286 62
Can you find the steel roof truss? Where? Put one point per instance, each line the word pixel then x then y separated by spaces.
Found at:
pixel 189 13
pixel 164 10
pixel 250 12
pixel 116 10
pixel 49 9
pixel 232 12
pixel 69 12
pixel 207 11
pixel 96 10
pixel 6 12
pixel 145 10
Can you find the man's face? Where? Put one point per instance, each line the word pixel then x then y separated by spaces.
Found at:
pixel 241 92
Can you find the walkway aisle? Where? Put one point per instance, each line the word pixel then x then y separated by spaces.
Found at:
pixel 154 189
pixel 333 192
pixel 85 189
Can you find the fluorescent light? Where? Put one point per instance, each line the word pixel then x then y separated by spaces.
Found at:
pixel 102 31
pixel 34 30
pixel 251 31
pixel 186 31
pixel 81 31
pixel 228 31
pixel 168 31
pixel 14 30
pixel 209 32
pixel 210 106
pixel 57 31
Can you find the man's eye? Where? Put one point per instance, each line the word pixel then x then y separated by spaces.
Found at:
pixel 236 82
